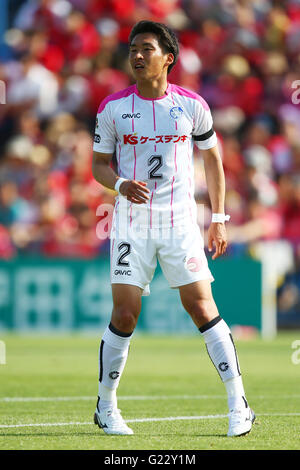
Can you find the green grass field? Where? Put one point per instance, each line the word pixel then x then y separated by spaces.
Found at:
pixel 48 383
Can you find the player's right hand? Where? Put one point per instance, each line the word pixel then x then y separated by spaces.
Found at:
pixel 135 191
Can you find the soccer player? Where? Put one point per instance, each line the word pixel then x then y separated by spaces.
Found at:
pixel 151 128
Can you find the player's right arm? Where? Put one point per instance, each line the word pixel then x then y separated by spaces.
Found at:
pixel 103 150
pixel 135 191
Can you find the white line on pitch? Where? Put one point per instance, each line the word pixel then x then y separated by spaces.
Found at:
pixel 137 398
pixel 133 397
pixel 138 420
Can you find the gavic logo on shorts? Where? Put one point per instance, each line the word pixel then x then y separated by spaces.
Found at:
pixel 127 272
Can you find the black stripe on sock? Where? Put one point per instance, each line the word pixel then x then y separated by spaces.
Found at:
pixel 210 324
pixel 115 330
pixel 213 362
pixel 245 401
pixel 236 358
pixel 101 361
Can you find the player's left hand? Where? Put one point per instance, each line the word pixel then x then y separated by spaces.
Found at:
pixel 217 236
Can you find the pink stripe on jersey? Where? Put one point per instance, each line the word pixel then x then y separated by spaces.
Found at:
pixel 134 150
pixel 151 204
pixel 172 188
pixel 190 94
pixel 130 214
pixel 151 210
pixel 116 96
pixel 134 169
pixel 175 162
pixel 153 107
pixel 119 160
pixel 174 105
pixel 132 112
pixel 190 181
pixel 154 123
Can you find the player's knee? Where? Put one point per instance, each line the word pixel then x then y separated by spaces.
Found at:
pixel 124 319
pixel 202 310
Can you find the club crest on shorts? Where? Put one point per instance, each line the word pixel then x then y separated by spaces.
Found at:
pixel 193 264
pixel 176 112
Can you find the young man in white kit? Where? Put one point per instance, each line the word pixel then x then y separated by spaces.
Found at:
pixel 152 127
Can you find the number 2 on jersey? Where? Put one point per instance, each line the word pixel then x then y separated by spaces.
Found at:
pixel 156 161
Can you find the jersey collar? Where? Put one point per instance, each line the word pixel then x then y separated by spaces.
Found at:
pixel 168 91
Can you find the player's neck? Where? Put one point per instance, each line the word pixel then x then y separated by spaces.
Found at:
pixel 152 89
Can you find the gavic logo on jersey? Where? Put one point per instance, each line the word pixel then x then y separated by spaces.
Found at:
pixel 133 115
pixel 133 139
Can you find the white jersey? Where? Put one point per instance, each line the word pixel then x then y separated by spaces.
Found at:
pixel 153 142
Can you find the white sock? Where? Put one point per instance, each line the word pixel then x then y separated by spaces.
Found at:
pixel 235 393
pixel 113 354
pixel 222 352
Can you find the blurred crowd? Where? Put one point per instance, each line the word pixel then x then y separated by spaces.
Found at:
pixel 60 58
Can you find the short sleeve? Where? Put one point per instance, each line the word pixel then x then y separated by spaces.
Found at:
pixel 105 132
pixel 203 133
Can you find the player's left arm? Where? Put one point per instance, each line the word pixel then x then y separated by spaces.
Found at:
pixel 215 180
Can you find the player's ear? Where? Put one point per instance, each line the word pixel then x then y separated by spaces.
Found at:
pixel 170 59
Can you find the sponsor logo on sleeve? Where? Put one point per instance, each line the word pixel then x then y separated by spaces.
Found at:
pixel 97 139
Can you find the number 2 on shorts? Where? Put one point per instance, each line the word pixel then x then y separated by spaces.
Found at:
pixel 124 249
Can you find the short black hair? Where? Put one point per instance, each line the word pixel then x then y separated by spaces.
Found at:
pixel 166 37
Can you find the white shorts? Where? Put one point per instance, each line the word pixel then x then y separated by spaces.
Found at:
pixel 133 258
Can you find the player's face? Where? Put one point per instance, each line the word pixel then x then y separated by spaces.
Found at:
pixel 147 59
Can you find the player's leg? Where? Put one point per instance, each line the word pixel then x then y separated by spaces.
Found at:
pixel 197 299
pixel 113 353
pixel 133 262
pixel 115 342
pixel 184 264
